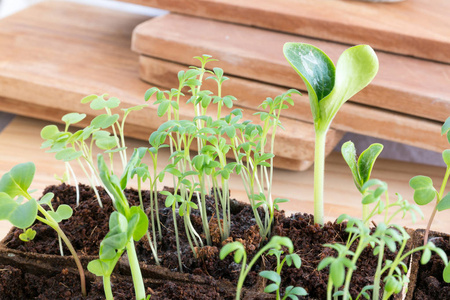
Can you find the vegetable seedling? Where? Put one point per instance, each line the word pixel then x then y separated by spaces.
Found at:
pixel 424 191
pixel 14 186
pixel 240 255
pixel 361 168
pixel 274 276
pixel 329 87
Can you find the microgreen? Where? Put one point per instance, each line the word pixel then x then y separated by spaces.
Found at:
pixel 127 225
pixel 276 242
pixel 14 188
pixel 425 192
pixel 274 276
pixel 361 168
pixel 329 87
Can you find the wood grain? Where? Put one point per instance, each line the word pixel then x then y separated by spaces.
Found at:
pixel 419 28
pixel 21 141
pixel 403 84
pixel 55 57
pixel 352 117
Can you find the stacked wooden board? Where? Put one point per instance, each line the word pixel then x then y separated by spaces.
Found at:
pixel 60 52
pixel 407 101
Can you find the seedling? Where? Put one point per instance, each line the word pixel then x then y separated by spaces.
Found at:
pixel 291 291
pixel 424 191
pixel 127 225
pixel 14 186
pixel 329 87
pixel 361 168
pixel 240 255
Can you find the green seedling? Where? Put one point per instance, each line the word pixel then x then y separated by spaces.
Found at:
pixel 361 168
pixel 240 255
pixel 14 186
pixel 424 191
pixel 329 87
pixel 127 225
pixel 274 276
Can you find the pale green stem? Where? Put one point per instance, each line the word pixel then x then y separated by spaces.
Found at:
pixel 53 224
pixel 77 188
pixel 376 281
pixel 107 287
pixel 441 194
pixel 319 170
pixel 136 274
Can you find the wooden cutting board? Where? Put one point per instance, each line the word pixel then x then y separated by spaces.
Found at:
pixel 419 28
pixel 403 84
pixel 352 117
pixel 60 52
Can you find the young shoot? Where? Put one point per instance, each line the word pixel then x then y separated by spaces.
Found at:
pixel 424 191
pixel 275 276
pixel 14 186
pixel 329 87
pixel 361 168
pixel 240 255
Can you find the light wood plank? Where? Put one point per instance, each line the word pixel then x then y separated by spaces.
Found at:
pixel 21 141
pixel 352 117
pixel 403 84
pixel 414 27
pixel 55 58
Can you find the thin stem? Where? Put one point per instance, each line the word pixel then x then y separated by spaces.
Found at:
pixel 53 224
pixel 319 170
pixel 107 287
pixel 376 281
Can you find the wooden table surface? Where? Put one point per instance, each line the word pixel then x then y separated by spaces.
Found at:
pixel 20 142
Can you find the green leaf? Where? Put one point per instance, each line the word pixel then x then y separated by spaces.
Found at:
pixel 73 118
pixel 104 121
pixel 231 247
pixel 271 275
pixel 106 143
pixel 348 151
pixel 49 132
pixel 68 154
pixel 64 211
pixel 444 203
pixel 98 267
pixel 18 180
pixel 28 235
pixel 271 287
pixel 316 70
pixel 446 273
pixel 446 157
pixel 88 99
pixel 20 215
pixel 446 126
pixel 162 108
pixel 367 160
pixel 46 199
pixel 337 273
pixel 355 69
pixel 424 192
pixel 142 224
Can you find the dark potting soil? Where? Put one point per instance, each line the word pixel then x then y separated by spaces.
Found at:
pixel 89 224
pixel 430 283
pixel 16 284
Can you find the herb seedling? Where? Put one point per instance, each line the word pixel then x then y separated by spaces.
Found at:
pixel 240 255
pixel 329 87
pixel 291 291
pixel 361 168
pixel 127 225
pixel 424 191
pixel 14 186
